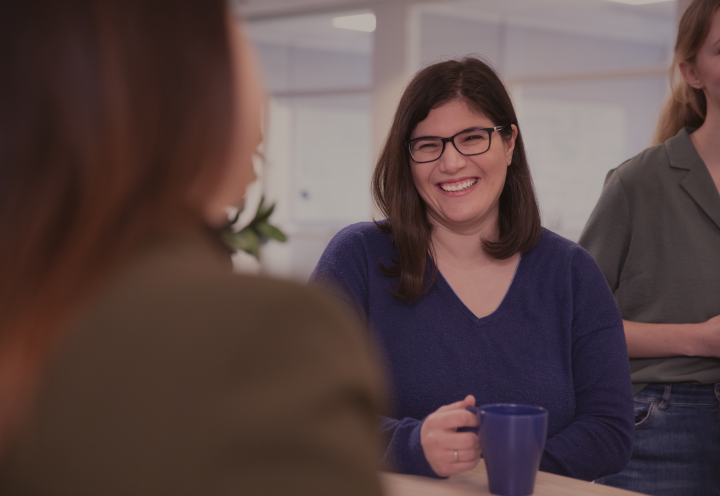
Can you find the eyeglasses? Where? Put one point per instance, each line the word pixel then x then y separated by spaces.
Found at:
pixel 470 142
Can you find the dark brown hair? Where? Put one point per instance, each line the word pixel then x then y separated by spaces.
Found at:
pixel 114 128
pixel 686 106
pixel 394 192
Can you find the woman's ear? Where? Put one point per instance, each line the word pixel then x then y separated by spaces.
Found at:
pixel 509 144
pixel 689 73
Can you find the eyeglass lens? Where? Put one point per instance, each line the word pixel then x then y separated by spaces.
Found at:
pixel 471 142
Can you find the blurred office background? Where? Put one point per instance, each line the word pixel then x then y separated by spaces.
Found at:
pixel 588 79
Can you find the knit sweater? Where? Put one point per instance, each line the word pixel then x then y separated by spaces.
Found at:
pixel 556 340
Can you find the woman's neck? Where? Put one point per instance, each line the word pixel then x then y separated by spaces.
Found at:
pixel 461 246
pixel 479 280
pixel 707 142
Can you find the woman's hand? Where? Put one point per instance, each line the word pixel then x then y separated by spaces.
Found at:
pixel 447 451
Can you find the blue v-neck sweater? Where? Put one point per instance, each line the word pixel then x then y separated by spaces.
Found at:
pixel 556 340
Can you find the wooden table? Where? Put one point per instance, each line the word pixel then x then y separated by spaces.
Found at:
pixel 475 482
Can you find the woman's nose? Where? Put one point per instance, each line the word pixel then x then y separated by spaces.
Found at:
pixel 452 160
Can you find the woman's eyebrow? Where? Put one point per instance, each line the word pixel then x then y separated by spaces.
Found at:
pixel 471 129
pixel 459 132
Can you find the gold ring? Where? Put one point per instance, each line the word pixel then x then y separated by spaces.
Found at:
pixel 456 458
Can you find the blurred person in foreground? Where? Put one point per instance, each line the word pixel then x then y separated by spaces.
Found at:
pixel 655 233
pixel 131 360
pixel 470 298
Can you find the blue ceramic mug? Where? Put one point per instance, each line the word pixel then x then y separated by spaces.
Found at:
pixel 512 439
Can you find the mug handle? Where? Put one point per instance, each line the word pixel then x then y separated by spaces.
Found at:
pixel 474 410
pixel 476 430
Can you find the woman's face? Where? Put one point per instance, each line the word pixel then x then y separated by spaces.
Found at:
pixel 704 73
pixel 462 193
pixel 247 132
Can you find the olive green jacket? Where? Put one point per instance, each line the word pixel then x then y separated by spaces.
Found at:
pixel 183 379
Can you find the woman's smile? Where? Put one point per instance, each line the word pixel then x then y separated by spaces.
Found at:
pixel 458 187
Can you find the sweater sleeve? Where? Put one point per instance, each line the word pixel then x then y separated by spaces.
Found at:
pixel 403 451
pixel 343 270
pixel 606 235
pixel 599 439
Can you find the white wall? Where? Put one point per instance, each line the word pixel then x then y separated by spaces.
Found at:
pixel 294 69
pixel 318 159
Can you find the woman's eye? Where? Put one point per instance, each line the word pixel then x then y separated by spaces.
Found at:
pixel 473 137
pixel 427 146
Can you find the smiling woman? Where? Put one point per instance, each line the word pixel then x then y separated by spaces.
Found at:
pixel 409 198
pixel 470 299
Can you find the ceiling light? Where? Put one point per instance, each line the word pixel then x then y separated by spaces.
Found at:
pixel 639 2
pixel 360 22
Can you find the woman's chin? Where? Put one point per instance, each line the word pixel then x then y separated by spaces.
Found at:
pixel 463 221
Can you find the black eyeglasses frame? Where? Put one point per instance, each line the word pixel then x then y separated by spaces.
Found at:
pixel 451 139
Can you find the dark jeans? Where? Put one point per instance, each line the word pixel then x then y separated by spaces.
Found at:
pixel 677 442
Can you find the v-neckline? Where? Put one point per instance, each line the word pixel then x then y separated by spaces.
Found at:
pixel 455 299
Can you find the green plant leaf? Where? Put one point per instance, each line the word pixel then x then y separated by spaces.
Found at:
pixel 259 231
pixel 271 232
pixel 262 216
pixel 246 240
pixel 253 247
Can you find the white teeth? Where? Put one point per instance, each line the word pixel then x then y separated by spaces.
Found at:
pixel 458 186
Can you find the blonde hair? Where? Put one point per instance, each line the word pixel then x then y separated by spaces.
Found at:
pixel 686 106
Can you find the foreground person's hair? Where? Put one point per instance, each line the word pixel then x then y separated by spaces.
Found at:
pixel 114 126
pixel 686 106
pixel 394 192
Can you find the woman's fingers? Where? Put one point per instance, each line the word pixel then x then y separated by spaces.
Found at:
pixel 440 445
pixel 434 441
pixel 453 419
pixel 453 441
pixel 446 450
pixel 464 456
pixel 468 401
pixel 457 468
pixel 462 441
pixel 456 461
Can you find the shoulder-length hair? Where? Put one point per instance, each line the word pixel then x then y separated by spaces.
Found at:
pixel 686 106
pixel 474 82
pixel 115 120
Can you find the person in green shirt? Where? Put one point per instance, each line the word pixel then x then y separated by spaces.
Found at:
pixel 655 233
